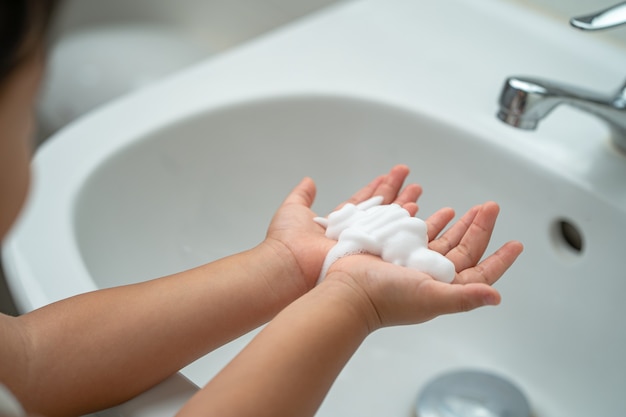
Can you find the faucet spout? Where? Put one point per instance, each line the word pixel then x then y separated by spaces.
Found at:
pixel 604 19
pixel 525 101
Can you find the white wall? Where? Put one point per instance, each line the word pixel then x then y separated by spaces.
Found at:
pixel 222 23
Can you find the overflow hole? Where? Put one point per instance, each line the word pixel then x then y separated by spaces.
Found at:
pixel 569 237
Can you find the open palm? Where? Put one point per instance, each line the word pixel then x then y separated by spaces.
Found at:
pixel 293 226
pixel 464 243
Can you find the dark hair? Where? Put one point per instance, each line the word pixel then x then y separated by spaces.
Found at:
pixel 23 27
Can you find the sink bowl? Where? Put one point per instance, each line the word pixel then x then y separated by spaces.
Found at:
pixel 192 169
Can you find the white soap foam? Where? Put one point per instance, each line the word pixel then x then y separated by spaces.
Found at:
pixel 387 231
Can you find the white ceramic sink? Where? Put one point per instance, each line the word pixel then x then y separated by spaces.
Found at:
pixel 207 187
pixel 192 170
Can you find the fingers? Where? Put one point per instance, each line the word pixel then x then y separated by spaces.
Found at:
pixel 391 183
pixel 365 192
pixel 435 224
pixel 474 242
pixel 411 208
pixel 389 186
pixel 465 243
pixel 475 291
pixel 451 238
pixel 409 194
pixel 492 267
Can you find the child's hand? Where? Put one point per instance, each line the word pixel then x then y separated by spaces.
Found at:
pixel 293 231
pixel 392 295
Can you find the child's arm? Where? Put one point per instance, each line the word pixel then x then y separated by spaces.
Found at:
pixel 99 349
pixel 289 367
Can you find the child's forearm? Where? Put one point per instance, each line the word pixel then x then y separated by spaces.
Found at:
pixel 98 349
pixel 290 366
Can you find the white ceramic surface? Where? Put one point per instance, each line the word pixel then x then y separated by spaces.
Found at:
pixel 192 169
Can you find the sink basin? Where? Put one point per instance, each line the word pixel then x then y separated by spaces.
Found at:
pixel 144 188
pixel 207 186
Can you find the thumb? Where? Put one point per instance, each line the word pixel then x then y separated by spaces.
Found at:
pixel 441 298
pixel 302 194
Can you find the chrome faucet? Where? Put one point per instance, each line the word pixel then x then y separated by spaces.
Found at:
pixel 524 101
pixel 604 19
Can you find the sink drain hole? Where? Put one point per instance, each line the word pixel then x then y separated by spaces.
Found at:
pixel 568 237
pixel 471 393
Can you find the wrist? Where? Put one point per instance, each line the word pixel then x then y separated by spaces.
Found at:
pixel 351 294
pixel 281 269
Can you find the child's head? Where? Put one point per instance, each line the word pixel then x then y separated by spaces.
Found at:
pixel 23 25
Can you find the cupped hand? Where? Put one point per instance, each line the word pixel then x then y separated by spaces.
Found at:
pixel 294 233
pixel 393 295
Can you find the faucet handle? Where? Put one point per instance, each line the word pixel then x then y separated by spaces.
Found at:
pixel 604 19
